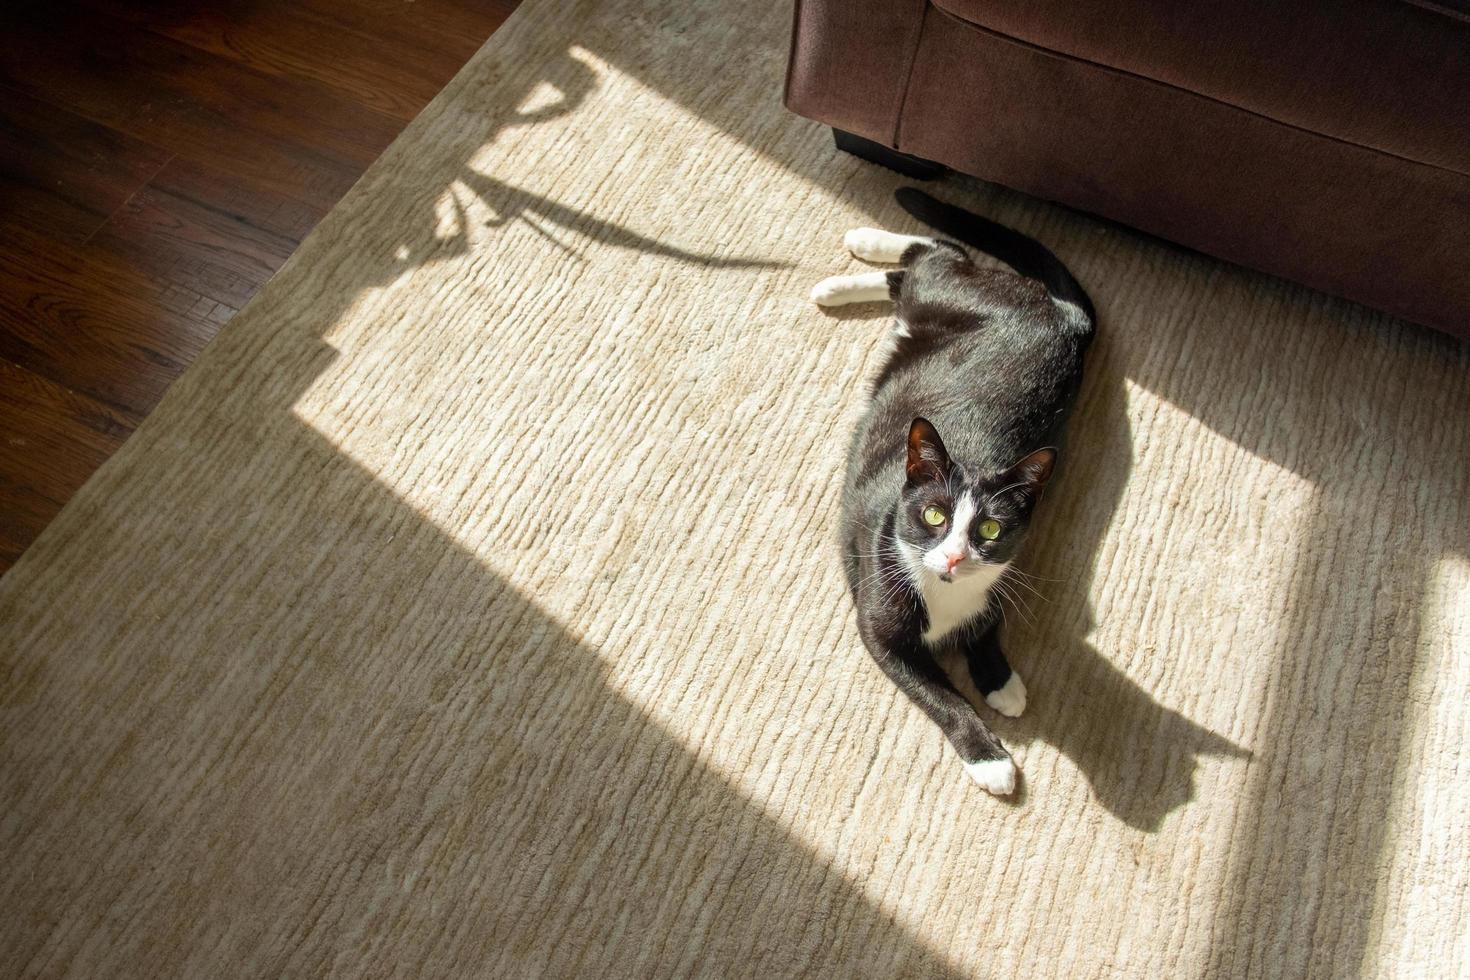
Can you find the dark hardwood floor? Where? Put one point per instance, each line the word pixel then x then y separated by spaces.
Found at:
pixel 159 160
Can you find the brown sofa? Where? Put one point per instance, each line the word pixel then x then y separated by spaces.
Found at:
pixel 1325 142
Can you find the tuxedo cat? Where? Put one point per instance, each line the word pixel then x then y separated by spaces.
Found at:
pixel 953 453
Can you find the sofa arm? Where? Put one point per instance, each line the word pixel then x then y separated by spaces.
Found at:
pixel 850 63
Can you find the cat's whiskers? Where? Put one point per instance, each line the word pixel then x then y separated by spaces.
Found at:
pixel 879 570
pixel 903 580
pixel 897 581
pixel 1028 587
pixel 881 575
pixel 1031 576
pixel 1005 592
pixel 894 577
pixel 891 577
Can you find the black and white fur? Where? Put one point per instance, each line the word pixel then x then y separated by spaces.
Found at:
pixel 966 415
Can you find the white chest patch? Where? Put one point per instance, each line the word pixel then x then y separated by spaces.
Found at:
pixel 951 605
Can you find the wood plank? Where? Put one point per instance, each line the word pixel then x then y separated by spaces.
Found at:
pixel 292 136
pixel 89 264
pixel 393 57
pixel 170 233
pixel 287 41
pixel 158 162
pixel 443 33
pixel 438 36
pixel 94 325
pixel 51 441
pixel 276 214
pixel 65 175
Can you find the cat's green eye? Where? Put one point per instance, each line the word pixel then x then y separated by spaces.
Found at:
pixel 989 529
pixel 934 516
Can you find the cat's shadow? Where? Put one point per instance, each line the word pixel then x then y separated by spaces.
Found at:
pixel 1138 756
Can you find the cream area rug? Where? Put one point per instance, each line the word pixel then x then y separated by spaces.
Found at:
pixel 472 606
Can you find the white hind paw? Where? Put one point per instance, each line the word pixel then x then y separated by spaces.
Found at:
pixel 867 243
pixel 998 776
pixel 829 291
pixel 877 245
pixel 1009 700
pixel 867 287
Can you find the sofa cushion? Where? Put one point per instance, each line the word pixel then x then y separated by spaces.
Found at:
pixel 1392 75
pixel 1345 218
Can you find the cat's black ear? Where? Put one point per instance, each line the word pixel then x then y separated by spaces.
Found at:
pixel 928 459
pixel 1034 470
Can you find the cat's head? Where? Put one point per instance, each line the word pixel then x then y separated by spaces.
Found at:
pixel 950 521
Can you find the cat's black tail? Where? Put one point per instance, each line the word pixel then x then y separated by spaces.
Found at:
pixel 1026 255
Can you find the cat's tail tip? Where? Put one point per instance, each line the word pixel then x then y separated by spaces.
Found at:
pixel 914 201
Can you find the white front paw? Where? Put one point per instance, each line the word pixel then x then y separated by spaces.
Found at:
pixel 998 776
pixel 1011 699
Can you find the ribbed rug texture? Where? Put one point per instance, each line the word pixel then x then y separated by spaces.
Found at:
pixel 472 607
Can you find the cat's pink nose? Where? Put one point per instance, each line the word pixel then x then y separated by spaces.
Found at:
pixel 950 561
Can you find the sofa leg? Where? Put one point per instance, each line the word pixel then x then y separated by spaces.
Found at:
pixel 910 166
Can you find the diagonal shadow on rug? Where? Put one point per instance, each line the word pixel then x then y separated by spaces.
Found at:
pixel 472 607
